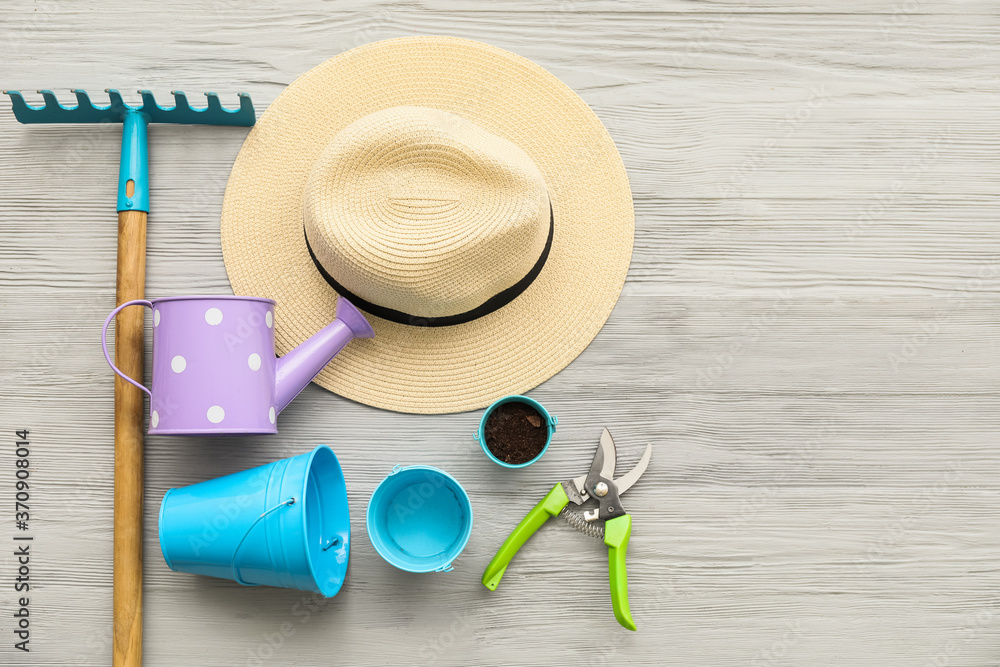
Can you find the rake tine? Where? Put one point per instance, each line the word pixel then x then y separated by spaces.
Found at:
pixel 180 101
pixel 22 110
pixel 51 103
pixel 82 99
pixel 246 106
pixel 16 97
pixel 148 101
pixel 213 103
pixel 116 98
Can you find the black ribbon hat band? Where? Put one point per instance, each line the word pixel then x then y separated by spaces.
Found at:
pixel 496 302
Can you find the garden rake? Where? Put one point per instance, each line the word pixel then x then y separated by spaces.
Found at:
pixel 133 206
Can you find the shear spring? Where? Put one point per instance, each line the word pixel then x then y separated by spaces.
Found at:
pixel 581 524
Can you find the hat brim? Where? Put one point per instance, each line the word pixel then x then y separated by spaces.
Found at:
pixel 436 369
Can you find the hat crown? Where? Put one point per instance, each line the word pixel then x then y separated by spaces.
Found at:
pixel 424 212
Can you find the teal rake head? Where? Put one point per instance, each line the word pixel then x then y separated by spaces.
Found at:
pixel 133 175
pixel 86 111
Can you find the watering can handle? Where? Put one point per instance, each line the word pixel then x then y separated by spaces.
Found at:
pixel 236 552
pixel 104 341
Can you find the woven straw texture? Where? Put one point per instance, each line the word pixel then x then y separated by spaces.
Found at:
pixel 436 369
pixel 424 212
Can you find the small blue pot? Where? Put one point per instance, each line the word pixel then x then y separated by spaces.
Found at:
pixel 419 519
pixel 550 421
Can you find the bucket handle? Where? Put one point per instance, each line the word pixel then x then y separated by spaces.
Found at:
pixel 104 341
pixel 232 564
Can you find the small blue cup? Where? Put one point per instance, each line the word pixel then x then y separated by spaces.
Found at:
pixel 550 421
pixel 419 519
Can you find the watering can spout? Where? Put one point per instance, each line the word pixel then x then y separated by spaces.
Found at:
pixel 298 368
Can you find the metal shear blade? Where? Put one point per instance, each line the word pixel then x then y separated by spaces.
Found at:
pixel 603 470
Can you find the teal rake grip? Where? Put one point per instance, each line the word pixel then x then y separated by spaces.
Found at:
pixel 549 507
pixel 617 532
pixel 134 166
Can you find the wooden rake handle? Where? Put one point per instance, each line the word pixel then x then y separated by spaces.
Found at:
pixel 131 283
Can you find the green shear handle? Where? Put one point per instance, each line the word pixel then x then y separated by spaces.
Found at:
pixel 617 532
pixel 550 506
pixel 616 535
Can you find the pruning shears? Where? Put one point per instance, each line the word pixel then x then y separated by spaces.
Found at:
pixel 608 520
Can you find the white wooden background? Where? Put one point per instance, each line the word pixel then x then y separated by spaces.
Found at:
pixel 809 337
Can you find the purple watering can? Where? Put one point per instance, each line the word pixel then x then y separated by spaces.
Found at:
pixel 214 368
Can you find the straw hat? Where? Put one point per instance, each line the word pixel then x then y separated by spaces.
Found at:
pixel 463 197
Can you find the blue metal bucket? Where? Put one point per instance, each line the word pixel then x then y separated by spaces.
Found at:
pixel 283 524
pixel 419 519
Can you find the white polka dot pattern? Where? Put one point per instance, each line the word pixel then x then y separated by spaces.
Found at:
pixel 178 364
pixel 213 316
pixel 214 366
pixel 216 414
